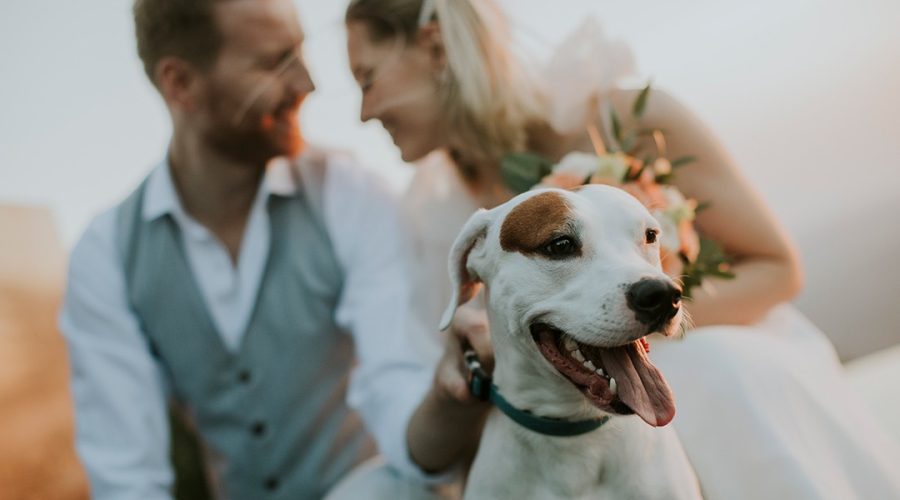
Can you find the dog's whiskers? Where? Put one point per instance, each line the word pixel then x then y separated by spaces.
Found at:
pixel 687 322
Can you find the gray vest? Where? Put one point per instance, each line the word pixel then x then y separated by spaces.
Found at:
pixel 274 410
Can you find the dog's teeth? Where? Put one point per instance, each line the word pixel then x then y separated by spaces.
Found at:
pixel 577 355
pixel 569 344
pixel 600 372
pixel 589 365
pixel 612 385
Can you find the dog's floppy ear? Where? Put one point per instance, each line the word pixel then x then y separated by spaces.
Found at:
pixel 465 283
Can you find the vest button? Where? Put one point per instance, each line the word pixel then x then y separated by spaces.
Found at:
pixel 258 429
pixel 244 376
pixel 271 484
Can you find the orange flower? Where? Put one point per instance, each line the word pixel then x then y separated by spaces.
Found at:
pixel 634 166
pixel 607 181
pixel 647 191
pixel 635 190
pixel 655 195
pixel 563 180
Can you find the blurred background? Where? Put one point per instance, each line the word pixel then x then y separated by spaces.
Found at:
pixel 805 94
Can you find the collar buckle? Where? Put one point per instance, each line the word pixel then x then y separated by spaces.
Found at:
pixel 481 386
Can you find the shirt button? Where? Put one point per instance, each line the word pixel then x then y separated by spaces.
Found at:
pixel 258 429
pixel 244 376
pixel 271 484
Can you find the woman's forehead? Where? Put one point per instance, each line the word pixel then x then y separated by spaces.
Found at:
pixel 364 54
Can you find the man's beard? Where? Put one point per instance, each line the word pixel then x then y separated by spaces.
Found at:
pixel 254 136
pixel 258 141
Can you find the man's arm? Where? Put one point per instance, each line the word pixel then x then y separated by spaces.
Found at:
pixel 417 427
pixel 122 433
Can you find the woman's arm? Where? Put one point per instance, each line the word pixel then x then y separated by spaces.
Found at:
pixel 446 428
pixel 766 264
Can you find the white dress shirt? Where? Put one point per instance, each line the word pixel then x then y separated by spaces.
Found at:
pixel 120 390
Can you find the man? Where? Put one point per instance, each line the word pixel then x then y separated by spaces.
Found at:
pixel 227 287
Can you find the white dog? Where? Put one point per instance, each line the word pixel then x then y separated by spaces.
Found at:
pixel 573 284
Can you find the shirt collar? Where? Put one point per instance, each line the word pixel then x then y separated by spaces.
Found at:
pixel 161 197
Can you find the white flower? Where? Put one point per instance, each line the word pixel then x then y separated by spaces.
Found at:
pixel 587 65
pixel 612 167
pixel 578 163
pixel 677 206
pixel 662 166
pixel 668 230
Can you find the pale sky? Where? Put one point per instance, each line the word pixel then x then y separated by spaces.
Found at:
pixel 804 94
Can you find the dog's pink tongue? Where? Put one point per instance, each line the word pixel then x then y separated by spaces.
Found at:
pixel 640 385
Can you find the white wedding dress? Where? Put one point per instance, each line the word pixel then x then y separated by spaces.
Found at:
pixel 764 411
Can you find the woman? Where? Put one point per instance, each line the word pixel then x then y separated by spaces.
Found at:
pixel 755 382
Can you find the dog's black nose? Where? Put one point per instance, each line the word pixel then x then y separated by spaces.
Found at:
pixel 653 300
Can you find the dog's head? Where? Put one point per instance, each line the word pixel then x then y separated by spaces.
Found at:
pixel 574 285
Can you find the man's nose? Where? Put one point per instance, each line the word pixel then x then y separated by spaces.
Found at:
pixel 298 78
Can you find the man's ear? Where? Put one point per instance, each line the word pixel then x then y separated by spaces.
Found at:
pixel 429 38
pixel 465 280
pixel 177 81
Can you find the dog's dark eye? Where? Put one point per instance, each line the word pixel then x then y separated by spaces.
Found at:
pixel 650 236
pixel 561 248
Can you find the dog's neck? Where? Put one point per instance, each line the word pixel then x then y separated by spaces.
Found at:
pixel 593 461
pixel 592 465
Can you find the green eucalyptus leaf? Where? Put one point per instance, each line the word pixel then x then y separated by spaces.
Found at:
pixel 640 103
pixel 616 125
pixel 629 142
pixel 711 261
pixel 711 253
pixel 521 171
pixel 702 206
pixel 684 160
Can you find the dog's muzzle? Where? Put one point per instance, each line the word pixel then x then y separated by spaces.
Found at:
pixel 654 301
pixel 616 379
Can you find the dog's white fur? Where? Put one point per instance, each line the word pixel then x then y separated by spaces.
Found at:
pixel 585 297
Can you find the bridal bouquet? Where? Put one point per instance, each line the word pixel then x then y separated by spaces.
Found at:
pixel 636 163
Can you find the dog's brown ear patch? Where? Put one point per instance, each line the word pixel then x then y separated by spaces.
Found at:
pixel 534 221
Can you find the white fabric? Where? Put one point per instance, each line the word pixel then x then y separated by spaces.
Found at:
pixel 374 479
pixel 875 376
pixel 764 411
pixel 120 391
pixel 767 411
pixel 599 62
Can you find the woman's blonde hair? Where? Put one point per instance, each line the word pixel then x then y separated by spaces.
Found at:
pixel 490 101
